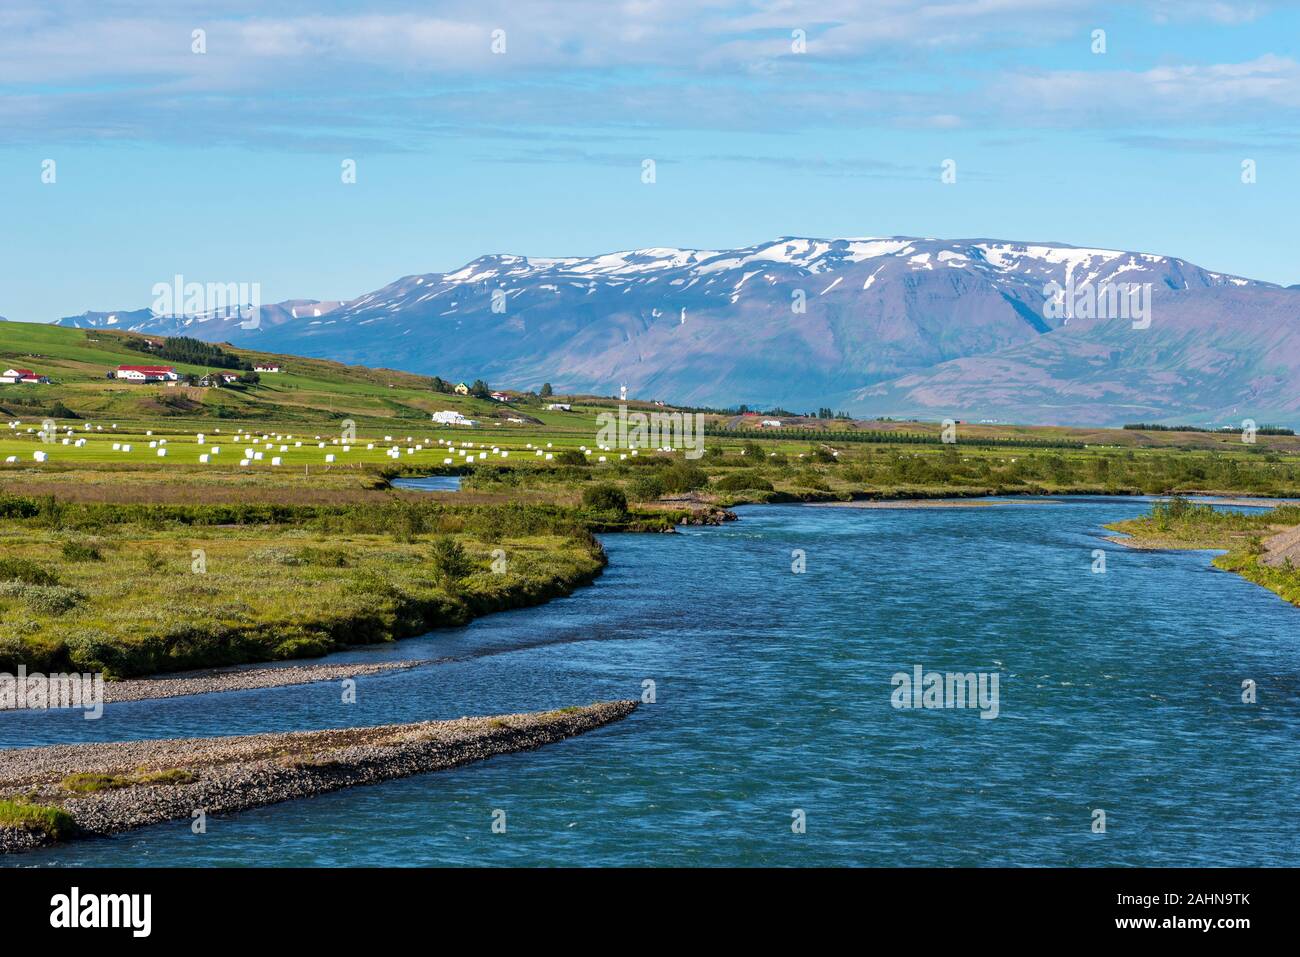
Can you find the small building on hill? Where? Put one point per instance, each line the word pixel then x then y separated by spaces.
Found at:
pixel 24 376
pixel 218 379
pixel 461 389
pixel 146 373
pixel 268 367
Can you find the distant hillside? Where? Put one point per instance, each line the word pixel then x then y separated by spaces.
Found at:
pixel 78 361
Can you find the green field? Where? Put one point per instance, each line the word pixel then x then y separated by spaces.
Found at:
pixel 98 545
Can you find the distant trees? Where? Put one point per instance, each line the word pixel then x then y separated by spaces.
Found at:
pixel 441 385
pixel 191 351
pixel 547 391
pixel 480 389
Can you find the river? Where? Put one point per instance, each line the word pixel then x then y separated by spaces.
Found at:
pixel 1118 691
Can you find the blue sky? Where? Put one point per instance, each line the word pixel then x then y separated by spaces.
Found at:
pixel 224 166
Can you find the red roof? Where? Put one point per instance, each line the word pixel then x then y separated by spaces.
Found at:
pixel 147 370
pixel 24 372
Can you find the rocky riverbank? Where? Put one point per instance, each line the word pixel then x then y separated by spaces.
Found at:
pixel 242 678
pixel 54 793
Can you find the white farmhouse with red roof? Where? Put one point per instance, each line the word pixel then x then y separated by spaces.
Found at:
pixel 146 373
pixel 26 376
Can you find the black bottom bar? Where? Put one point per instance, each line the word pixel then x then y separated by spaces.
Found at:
pixel 332 906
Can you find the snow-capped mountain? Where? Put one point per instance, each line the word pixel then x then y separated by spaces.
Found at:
pixel 797 322
pixel 217 325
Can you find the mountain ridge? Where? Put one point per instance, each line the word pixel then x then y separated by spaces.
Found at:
pixel 802 322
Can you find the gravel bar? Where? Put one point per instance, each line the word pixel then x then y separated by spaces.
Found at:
pixel 242 678
pixel 223 775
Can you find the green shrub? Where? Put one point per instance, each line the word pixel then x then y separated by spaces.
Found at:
pixel 449 561
pixel 153 560
pixel 684 477
pixel 44 599
pixel 324 557
pixel 570 457
pixel 646 488
pixel 739 481
pixel 606 498
pixel 79 552
pixel 26 571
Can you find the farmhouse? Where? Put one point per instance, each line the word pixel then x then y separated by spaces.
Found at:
pixel 26 376
pixel 500 396
pixel 218 379
pixel 146 373
pixel 267 367
pixel 461 389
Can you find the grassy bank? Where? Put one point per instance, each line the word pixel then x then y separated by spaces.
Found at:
pixel 140 589
pixel 1244 538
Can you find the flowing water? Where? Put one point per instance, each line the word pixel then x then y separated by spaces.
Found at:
pixel 430 483
pixel 1118 691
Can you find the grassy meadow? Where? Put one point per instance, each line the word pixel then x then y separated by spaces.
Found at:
pixel 138 563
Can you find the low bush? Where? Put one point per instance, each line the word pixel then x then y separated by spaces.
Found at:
pixel 605 498
pixel 26 571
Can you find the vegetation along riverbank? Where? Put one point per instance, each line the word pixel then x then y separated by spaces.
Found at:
pixel 155 528
pixel 1262 546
